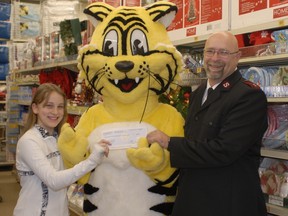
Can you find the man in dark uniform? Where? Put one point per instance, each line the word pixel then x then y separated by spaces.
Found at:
pixel 219 156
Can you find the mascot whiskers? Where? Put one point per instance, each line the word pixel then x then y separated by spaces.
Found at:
pixel 130 61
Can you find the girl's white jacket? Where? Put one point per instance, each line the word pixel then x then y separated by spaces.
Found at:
pixel 42 176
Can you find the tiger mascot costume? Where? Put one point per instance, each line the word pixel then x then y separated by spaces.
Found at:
pixel 130 61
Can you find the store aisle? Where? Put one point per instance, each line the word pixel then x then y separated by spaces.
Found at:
pixel 9 190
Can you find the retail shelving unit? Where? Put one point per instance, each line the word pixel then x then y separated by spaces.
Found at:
pixel 3 117
pixel 20 95
pixel 12 131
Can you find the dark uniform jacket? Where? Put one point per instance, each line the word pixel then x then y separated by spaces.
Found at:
pixel 220 154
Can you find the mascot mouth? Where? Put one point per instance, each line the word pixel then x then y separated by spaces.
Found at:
pixel 126 85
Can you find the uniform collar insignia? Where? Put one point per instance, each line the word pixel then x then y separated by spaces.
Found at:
pixel 226 84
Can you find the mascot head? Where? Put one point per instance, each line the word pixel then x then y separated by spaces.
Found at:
pixel 130 56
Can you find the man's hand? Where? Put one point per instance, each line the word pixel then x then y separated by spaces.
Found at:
pixel 159 137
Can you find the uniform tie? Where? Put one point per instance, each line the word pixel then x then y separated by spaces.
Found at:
pixel 208 93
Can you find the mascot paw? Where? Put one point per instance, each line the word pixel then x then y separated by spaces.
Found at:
pixel 67 134
pixel 145 157
pixel 67 138
pixel 72 146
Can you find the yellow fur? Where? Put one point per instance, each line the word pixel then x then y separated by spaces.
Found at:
pixel 130 66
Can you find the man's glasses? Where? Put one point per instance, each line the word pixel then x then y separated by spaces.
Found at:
pixel 221 53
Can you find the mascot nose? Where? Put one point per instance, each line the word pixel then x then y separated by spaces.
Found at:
pixel 124 66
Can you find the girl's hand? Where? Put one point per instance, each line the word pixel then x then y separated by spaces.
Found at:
pixel 105 144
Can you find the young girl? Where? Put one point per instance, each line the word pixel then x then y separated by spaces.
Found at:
pixel 39 164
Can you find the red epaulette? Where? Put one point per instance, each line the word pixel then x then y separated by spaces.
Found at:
pixel 251 84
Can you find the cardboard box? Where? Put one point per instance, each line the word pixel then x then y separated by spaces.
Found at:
pixel 245 13
pixel 274 181
pixel 276 200
pixel 133 3
pixel 201 18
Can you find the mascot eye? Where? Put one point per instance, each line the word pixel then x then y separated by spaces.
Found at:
pixel 110 43
pixel 138 42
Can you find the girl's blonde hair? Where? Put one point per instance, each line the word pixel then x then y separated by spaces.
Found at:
pixel 42 94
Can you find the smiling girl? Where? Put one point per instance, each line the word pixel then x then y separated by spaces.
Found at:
pixel 39 163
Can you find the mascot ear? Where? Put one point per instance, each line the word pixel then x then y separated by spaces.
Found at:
pixel 97 12
pixel 162 12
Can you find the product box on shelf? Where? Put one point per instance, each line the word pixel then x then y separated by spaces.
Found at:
pixel 281 37
pixel 38 51
pixel 5 30
pixel 27 20
pixel 273 80
pixel 22 55
pixel 276 135
pixel 134 3
pixel 177 22
pixel 46 47
pixel 274 181
pixel 4 70
pixel 258 50
pixel 247 13
pixel 200 18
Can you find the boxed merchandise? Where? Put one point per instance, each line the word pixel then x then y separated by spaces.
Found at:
pixel 273 80
pixel 254 13
pixel 177 22
pixel 133 2
pixel 274 181
pixel 23 55
pixel 281 37
pixel 4 54
pixel 38 51
pixel 114 3
pixel 5 11
pixel 4 70
pixel 70 33
pixel 54 12
pixel 46 47
pixel 258 50
pixel 27 20
pixel 5 30
pixel 55 45
pixel 201 18
pixel 276 135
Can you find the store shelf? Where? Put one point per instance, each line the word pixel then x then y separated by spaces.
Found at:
pixel 199 40
pixel 193 42
pixel 277 59
pixel 274 153
pixel 67 62
pixel 277 99
pixel 6 164
pixel 277 210
pixel 76 110
pixel 269 25
pixel 24 103
pixel 35 83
